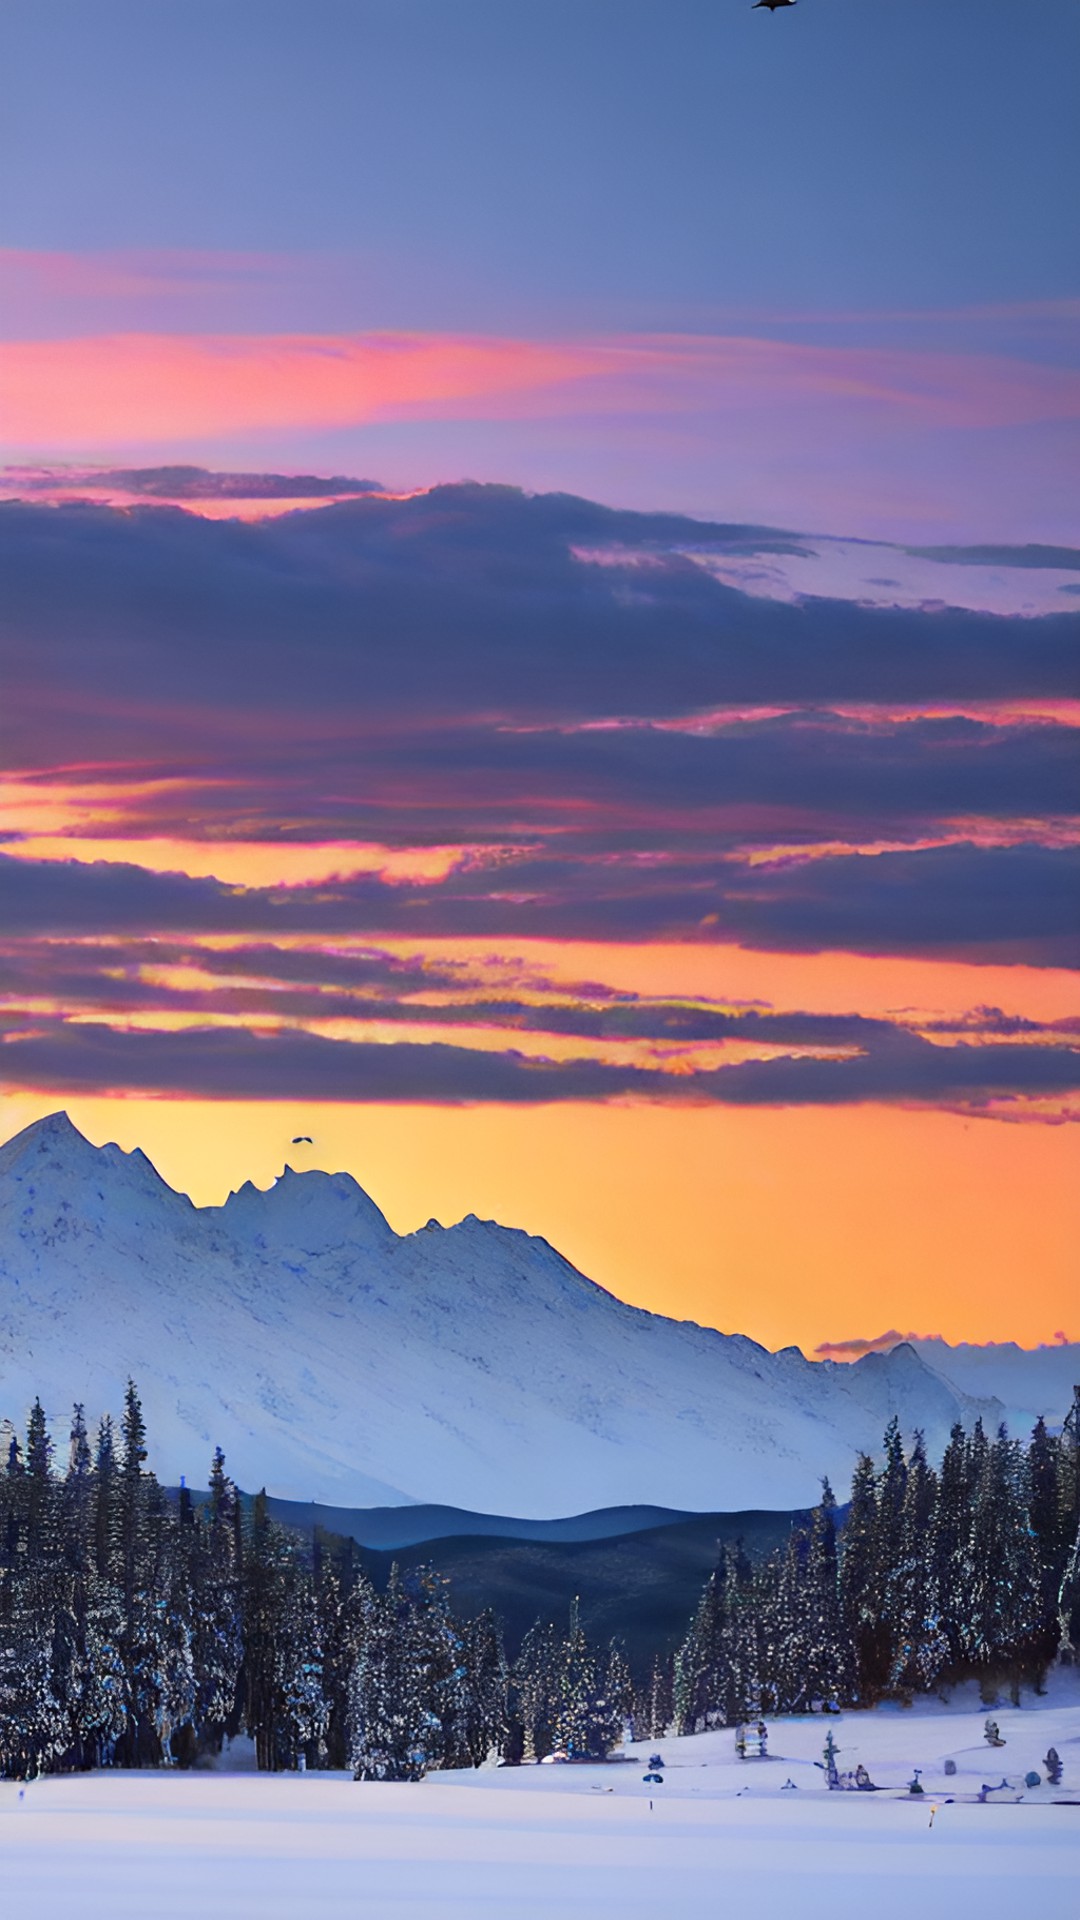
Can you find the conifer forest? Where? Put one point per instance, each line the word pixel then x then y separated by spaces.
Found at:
pixel 142 1628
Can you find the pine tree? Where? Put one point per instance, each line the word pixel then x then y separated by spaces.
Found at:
pixel 701 1663
pixel 484 1726
pixel 139 1745
pixel 216 1615
pixel 888 1552
pixel 576 1683
pixel 393 1727
pixel 106 1502
pixel 78 1493
pixel 33 1726
pixel 858 1579
pixel 1001 1611
pixel 587 1721
pixel 787 1628
pixel 950 1543
pixel 39 1513
pixel 534 1690
pixel 1068 1593
pixel 1043 1480
pixel 659 1704
pixel 345 1602
pixel 827 1650
pixel 33 1729
pixel 921 1646
pixel 617 1719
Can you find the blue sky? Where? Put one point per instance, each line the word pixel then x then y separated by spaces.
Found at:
pixel 616 160
pixel 882 194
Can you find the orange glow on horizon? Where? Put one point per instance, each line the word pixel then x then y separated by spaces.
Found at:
pixel 792 1227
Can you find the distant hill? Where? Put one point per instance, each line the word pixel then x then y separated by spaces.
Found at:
pixel 641 1586
pixel 391 1528
pixel 470 1367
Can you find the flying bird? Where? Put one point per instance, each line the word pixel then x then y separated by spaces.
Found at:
pixel 302 1140
pixel 771 4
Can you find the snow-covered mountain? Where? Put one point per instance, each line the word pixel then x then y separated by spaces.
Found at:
pixel 1028 1381
pixel 336 1360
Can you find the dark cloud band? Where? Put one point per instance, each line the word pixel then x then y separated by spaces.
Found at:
pixel 996 904
pixel 237 1063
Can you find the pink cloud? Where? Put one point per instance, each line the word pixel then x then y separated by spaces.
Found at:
pixel 133 273
pixel 876 1343
pixel 163 390
pixel 134 389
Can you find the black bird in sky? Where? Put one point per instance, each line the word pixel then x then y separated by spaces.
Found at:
pixel 302 1140
pixel 771 4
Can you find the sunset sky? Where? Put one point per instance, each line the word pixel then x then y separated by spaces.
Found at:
pixel 539 612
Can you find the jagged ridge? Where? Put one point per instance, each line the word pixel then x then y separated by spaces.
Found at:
pixel 336 1360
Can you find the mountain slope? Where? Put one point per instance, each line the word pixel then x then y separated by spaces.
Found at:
pixel 1027 1381
pixel 334 1360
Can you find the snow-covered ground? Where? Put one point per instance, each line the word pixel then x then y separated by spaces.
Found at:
pixel 720 1836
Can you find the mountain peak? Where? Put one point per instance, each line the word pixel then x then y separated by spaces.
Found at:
pixel 53 1140
pixel 51 1127
pixel 311 1209
pixel 54 1145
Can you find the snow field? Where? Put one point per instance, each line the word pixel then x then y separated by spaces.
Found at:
pixel 722 1836
pixel 282 1848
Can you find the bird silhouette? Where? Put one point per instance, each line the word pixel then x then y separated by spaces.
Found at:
pixel 771 4
pixel 302 1140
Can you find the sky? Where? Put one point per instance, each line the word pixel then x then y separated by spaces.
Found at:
pixel 539 623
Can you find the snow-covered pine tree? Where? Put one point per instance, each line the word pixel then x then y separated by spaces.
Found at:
pixel 78 1493
pixel 534 1688
pixel 658 1705
pixel 787 1628
pixel 98 1694
pixel 950 1541
pixel 303 1711
pixel 285 1709
pixel 1068 1595
pixel 33 1726
pixel 857 1576
pixel 106 1501
pixel 1001 1616
pixel 346 1603
pixel 1044 1452
pixel 577 1682
pixel 439 1663
pixel 827 1648
pixel 740 1649
pixel 702 1667
pixel 888 1551
pixel 587 1720
pixel 167 1689
pixel 484 1720
pixel 216 1621
pixel 153 1656
pixel 619 1699
pixel 394 1730
pixel 922 1648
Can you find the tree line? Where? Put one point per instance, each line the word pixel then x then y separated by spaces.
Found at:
pixel 141 1629
pixel 970 1570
